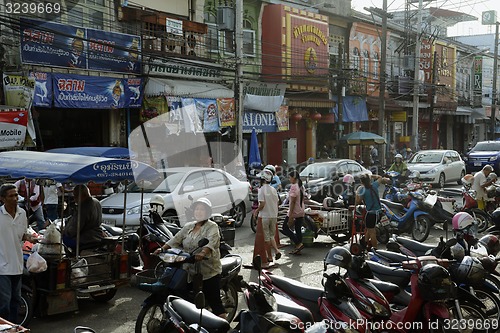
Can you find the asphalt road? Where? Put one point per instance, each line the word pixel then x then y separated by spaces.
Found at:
pixel 119 314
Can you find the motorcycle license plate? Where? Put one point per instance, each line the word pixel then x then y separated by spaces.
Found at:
pixel 384 220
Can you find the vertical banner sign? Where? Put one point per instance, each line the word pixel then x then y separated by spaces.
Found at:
pixel 133 93
pixel 478 75
pixel 282 119
pixel 207 113
pixel 43 89
pixel 227 114
pixel 13 128
pixel 18 90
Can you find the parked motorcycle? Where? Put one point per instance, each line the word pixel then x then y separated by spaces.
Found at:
pixel 169 278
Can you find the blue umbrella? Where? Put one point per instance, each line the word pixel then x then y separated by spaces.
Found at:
pixel 254 154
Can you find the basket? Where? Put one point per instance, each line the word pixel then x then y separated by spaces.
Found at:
pixel 337 220
pixel 174 278
pixel 145 276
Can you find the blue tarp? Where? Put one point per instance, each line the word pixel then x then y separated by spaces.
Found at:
pixel 78 169
pixel 353 109
pixel 254 160
pixel 110 152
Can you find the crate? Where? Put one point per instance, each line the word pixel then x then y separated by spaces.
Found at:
pixel 337 220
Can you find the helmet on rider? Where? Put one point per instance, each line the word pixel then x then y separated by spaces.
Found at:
pixel 491 243
pixel 270 168
pixel 338 256
pixel 266 175
pixel 398 156
pixel 208 208
pixel 461 221
pixel 348 179
pixel 157 204
pixel 434 283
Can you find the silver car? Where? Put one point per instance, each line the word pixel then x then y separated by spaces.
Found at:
pixel 438 166
pixel 227 194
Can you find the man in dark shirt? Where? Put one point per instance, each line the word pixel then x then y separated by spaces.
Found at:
pixel 90 219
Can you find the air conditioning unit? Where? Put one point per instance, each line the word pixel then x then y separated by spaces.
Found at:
pixel 195 45
pixel 225 18
pixel 409 62
pixel 174 44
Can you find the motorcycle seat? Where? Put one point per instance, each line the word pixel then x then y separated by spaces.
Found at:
pixel 288 306
pixel 419 249
pixel 229 264
pixel 393 205
pixel 385 286
pixel 191 315
pixel 297 288
pixel 396 275
pixel 393 256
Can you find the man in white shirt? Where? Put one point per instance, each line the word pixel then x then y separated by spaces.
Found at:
pixel 13 224
pixel 51 192
pixel 267 212
pixel 480 183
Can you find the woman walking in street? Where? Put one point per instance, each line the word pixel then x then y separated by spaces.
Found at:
pixel 295 216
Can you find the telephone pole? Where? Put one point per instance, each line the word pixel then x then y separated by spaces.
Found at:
pixel 416 87
pixel 433 96
pixel 238 39
pixel 494 89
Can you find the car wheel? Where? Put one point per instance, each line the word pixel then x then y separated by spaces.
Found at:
pixel 441 181
pixel 171 217
pixel 238 214
pixel 462 174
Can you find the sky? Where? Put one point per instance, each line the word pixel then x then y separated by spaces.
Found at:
pixel 471 7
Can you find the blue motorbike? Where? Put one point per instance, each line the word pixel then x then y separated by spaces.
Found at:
pixel 392 191
pixel 398 219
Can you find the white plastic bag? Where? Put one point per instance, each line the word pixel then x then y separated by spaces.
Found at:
pixel 79 271
pixel 36 263
pixel 51 242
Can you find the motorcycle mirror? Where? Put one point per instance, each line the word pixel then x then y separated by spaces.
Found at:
pixel 203 242
pixel 257 263
pixel 199 300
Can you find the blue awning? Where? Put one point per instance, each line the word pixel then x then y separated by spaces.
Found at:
pixel 353 109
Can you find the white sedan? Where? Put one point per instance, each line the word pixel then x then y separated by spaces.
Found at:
pixel 226 193
pixel 438 166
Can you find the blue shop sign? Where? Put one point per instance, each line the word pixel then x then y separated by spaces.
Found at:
pixel 261 121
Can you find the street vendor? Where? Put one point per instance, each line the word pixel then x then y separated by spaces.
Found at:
pixel 90 219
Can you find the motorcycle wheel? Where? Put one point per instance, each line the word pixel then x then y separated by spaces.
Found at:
pixel 253 223
pixel 482 219
pixel 229 299
pixel 382 235
pixel 421 228
pixel 150 320
pixel 491 302
pixel 26 308
pixel 104 295
pixel 470 313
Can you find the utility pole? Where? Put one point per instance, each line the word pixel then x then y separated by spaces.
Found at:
pixel 238 38
pixel 494 90
pixel 340 91
pixel 416 87
pixel 433 96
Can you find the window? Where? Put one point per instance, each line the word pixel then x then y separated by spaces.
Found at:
pixel 212 38
pixel 355 58
pixel 215 179
pixel 96 20
pixel 194 181
pixel 75 16
pixel 248 43
pixel 229 42
pixel 366 63
pixel 375 65
pixel 354 169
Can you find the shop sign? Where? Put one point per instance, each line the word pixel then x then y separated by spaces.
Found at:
pixel 263 88
pixel 59 45
pixel 261 121
pixel 398 116
pixel 96 92
pixel 174 27
pixel 43 89
pixel 478 74
pixel 13 128
pixel 195 70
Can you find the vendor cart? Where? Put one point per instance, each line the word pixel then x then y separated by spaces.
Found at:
pixel 94 270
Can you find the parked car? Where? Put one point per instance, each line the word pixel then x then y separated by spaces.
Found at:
pixel 483 153
pixel 438 166
pixel 324 179
pixel 221 188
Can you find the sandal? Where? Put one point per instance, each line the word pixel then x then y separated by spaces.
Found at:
pixel 277 256
pixel 300 248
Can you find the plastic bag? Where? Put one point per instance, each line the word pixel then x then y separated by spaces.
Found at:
pixel 51 242
pixel 36 263
pixel 79 271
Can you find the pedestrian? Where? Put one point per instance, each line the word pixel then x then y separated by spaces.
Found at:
pixel 368 194
pixel 13 222
pixel 373 155
pixel 33 196
pixel 211 268
pixel 267 214
pixel 480 183
pixel 51 200
pixel 295 216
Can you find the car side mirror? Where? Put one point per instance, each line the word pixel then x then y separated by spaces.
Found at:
pixel 188 188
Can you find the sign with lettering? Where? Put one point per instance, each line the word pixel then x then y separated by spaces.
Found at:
pixel 43 89
pixel 478 74
pixel 261 121
pixel 184 69
pixel 174 27
pixel 13 128
pixel 263 88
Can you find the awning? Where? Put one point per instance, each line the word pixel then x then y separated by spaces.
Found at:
pixel 469 115
pixel 263 103
pixel 183 88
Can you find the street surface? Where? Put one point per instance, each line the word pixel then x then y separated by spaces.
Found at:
pixel 118 315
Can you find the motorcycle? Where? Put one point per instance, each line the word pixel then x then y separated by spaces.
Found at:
pixel 398 219
pixel 169 278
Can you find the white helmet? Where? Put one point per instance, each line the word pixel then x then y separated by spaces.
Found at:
pixel 205 202
pixel 270 168
pixel 462 220
pixel 470 271
pixel 267 175
pixel 415 174
pixel 157 203
pixel 492 177
pixel 398 156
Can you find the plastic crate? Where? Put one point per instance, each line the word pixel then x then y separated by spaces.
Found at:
pixel 337 220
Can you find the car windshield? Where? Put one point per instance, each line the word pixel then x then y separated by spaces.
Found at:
pixel 487 146
pixel 165 186
pixel 319 170
pixel 426 157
